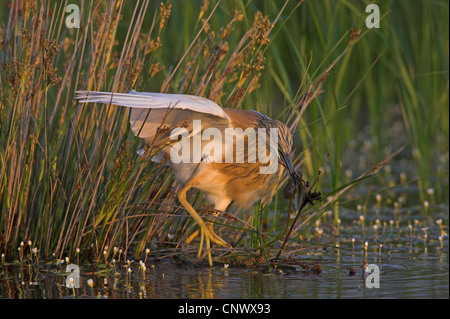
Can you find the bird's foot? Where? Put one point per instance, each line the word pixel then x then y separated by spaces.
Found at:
pixel 213 237
pixel 207 235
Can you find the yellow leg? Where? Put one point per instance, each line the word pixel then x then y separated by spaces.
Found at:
pixel 206 232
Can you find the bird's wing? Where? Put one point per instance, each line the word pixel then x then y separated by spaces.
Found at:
pixel 144 100
pixel 150 111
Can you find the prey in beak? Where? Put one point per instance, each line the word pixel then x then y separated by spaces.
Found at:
pixel 294 185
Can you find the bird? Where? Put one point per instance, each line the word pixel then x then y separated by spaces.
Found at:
pixel 168 122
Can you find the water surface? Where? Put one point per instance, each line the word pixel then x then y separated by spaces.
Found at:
pixel 405 272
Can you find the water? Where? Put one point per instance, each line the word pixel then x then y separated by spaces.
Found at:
pixel 405 272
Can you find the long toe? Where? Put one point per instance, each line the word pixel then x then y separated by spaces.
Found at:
pixel 192 236
pixel 216 238
pixel 219 241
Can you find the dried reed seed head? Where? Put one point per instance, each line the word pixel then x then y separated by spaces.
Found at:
pixel 30 4
pixel 50 46
pixel 203 8
pixel 207 28
pixel 225 31
pixel 153 45
pixel 354 35
pixel 155 68
pixel 51 49
pixel 133 69
pixel 238 15
pixel 25 35
pixel 13 74
pixel 165 14
pixel 261 29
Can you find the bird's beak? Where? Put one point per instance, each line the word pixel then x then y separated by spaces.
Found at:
pixel 287 162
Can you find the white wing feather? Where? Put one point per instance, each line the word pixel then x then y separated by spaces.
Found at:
pixel 153 100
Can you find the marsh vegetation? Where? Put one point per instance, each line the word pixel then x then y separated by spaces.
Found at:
pixel 370 105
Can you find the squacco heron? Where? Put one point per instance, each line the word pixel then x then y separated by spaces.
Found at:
pixel 223 178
